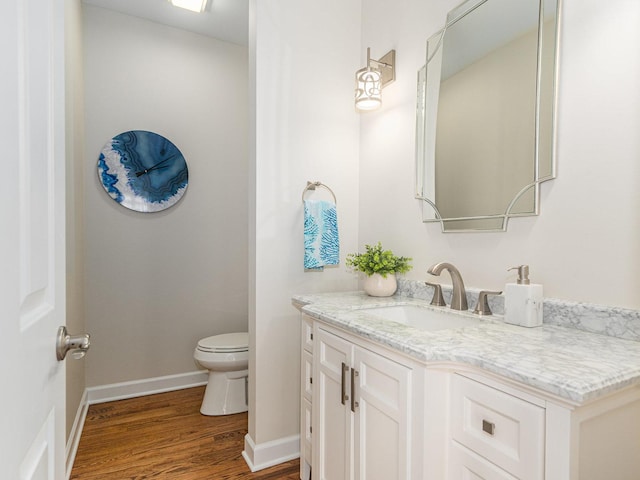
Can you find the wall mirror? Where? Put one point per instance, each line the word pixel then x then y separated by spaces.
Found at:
pixel 485 136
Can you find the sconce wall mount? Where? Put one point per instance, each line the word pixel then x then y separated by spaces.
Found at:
pixel 387 66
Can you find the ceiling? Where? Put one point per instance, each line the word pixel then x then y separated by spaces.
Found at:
pixel 225 20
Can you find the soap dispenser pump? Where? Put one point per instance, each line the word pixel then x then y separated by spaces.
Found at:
pixel 523 300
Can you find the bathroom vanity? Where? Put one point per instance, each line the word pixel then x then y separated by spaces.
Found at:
pixel 386 397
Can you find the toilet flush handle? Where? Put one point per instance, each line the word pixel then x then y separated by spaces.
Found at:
pixel 78 344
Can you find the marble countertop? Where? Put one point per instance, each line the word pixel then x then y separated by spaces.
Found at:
pixel 570 363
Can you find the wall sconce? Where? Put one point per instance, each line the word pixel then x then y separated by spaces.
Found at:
pixel 371 80
pixel 197 6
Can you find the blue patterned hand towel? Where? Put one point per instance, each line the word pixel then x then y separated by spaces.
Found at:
pixel 321 242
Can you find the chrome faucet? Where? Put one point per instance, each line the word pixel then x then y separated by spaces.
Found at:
pixel 459 296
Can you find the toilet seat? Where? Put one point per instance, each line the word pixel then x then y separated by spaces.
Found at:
pixel 225 343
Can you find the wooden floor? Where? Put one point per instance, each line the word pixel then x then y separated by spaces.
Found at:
pixel 164 436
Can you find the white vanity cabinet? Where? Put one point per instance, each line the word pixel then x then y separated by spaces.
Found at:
pixel 306 383
pixel 369 412
pixel 363 404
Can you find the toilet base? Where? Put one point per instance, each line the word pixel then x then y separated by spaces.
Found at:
pixel 226 393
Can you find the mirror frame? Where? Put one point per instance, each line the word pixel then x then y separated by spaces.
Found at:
pixel 425 136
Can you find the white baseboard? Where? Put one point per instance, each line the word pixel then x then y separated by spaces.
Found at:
pixel 268 454
pixel 146 386
pixel 75 433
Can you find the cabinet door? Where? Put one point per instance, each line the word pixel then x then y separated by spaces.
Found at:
pixel 382 416
pixel 332 419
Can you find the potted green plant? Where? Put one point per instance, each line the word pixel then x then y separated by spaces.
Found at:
pixel 380 267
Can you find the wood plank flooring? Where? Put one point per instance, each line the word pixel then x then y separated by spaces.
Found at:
pixel 164 436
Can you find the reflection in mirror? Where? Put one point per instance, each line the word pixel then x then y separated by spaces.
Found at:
pixel 485 118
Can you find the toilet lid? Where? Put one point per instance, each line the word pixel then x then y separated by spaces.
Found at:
pixel 227 342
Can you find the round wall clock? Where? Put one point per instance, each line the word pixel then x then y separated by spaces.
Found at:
pixel 143 171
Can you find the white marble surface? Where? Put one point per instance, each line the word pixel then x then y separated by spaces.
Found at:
pixel 573 364
pixel 612 321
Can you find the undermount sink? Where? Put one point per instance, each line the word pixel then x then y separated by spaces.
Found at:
pixel 423 318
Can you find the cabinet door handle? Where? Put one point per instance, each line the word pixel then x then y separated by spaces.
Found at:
pixel 354 403
pixel 488 427
pixel 345 370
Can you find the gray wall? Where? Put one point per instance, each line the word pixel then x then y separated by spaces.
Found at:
pixel 156 283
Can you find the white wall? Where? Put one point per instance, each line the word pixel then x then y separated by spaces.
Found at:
pixel 156 283
pixel 303 58
pixel 585 245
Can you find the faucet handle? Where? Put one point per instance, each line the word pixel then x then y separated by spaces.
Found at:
pixel 482 307
pixel 438 299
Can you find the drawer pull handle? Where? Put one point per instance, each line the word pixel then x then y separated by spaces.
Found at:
pixel 354 402
pixel 488 427
pixel 345 397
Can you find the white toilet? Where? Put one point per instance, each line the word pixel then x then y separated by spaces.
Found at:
pixel 227 359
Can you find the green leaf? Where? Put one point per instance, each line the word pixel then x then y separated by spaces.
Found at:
pixel 377 260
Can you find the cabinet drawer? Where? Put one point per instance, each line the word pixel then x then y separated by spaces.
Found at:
pixel 466 465
pixel 506 430
pixel 307 334
pixel 306 431
pixel 307 372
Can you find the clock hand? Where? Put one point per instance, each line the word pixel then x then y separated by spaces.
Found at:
pixel 156 166
pixel 160 167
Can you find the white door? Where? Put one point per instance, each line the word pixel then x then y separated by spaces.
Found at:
pixel 32 236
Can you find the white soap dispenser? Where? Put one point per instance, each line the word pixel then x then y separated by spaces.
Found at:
pixel 523 300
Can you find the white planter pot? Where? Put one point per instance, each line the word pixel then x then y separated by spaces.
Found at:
pixel 378 286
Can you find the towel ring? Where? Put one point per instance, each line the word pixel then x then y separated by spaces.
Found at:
pixel 314 185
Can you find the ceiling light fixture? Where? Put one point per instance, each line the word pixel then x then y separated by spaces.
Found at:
pixel 194 5
pixel 371 80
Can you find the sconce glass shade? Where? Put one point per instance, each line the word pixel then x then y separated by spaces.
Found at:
pixel 368 89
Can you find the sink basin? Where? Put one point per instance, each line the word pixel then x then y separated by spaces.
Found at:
pixel 423 318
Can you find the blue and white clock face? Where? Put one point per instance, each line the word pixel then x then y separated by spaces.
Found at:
pixel 143 171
